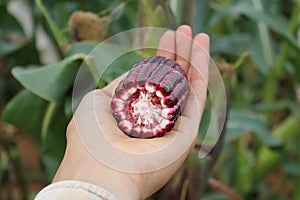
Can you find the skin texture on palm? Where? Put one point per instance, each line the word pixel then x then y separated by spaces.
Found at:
pixel 80 164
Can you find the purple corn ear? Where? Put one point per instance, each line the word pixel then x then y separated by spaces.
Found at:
pixel 148 101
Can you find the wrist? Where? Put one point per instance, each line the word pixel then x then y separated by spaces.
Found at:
pixel 73 189
pixel 122 189
pixel 120 184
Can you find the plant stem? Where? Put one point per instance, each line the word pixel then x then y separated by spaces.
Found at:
pixel 60 38
pixel 47 120
pixel 297 190
pixel 15 155
pixel 296 194
pixel 285 48
pixel 264 36
pixel 222 188
pixel 277 71
pixel 176 6
pixel 93 69
pixel 200 11
pixel 243 180
pixel 207 164
pixel 240 60
pixel 170 17
pixel 269 158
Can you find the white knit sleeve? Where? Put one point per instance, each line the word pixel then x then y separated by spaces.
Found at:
pixel 74 190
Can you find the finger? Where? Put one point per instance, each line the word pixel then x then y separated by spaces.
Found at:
pixel 199 67
pixel 166 45
pixel 110 88
pixel 200 58
pixel 183 46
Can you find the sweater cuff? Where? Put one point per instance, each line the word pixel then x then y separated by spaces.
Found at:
pixel 72 189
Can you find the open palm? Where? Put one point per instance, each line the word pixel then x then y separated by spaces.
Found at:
pixel 99 152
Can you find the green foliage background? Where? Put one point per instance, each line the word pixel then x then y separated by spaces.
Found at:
pixel 256 40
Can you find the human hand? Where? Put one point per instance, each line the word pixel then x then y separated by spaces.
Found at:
pixel 143 174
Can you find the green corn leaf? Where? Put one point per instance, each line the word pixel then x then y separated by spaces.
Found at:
pixel 60 38
pixel 200 15
pixel 241 122
pixel 50 82
pixel 30 113
pixel 84 47
pixel 234 44
pixel 9 23
pixel 244 163
pixel 177 6
pixel 53 138
pixel 45 123
pixel 245 8
pixel 26 111
pixel 147 11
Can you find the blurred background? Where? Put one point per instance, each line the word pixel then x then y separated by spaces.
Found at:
pixel 255 44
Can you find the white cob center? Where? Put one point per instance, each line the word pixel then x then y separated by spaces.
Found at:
pixel 144 110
